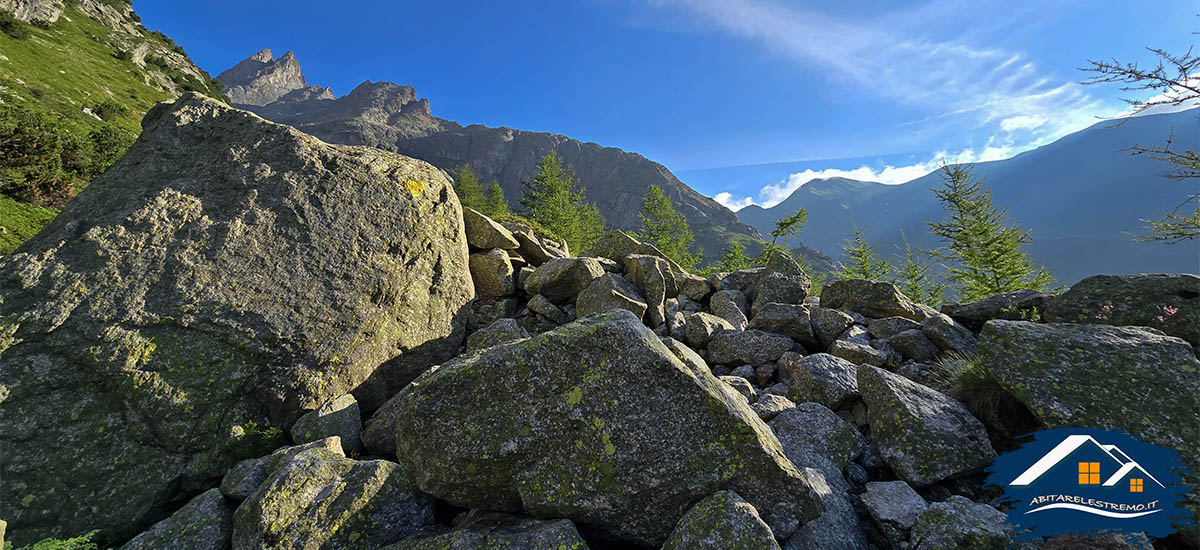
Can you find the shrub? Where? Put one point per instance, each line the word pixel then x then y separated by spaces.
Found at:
pixel 108 110
pixel 41 24
pixel 13 27
pixel 978 390
pixel 123 55
pixel 82 542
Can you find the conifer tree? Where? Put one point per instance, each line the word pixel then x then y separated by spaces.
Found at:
pixel 466 186
pixel 913 276
pixel 982 246
pixel 494 204
pixel 552 200
pixel 788 226
pixel 861 261
pixel 667 229
pixel 734 258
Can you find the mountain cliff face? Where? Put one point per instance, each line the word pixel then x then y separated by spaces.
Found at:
pixel 392 117
pixel 1082 197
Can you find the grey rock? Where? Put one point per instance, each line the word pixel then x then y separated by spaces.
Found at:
pixel 1167 302
pixel 244 478
pixel 780 389
pixel 890 326
pixel 320 499
pixel 723 520
pixel 745 371
pixel 812 429
pixel 689 357
pixel 769 406
pixel 1017 305
pixel 485 530
pixel 870 298
pixel 924 435
pixel 570 405
pixel 913 344
pixel 611 266
pixel 693 286
pixel 838 527
pixel 500 332
pixel 731 306
pixel 608 292
pixel 893 502
pixel 825 379
pixel 486 310
pixel 828 324
pixel 484 233
pixel 522 275
pixel 339 417
pixel 782 282
pixel 959 523
pixel 753 347
pixel 262 79
pixel 934 374
pixel 677 325
pixel 948 335
pixel 742 386
pixel 653 276
pixel 536 250
pixel 204 522
pixel 560 279
pixel 858 353
pixel 787 319
pixel 741 280
pixel 190 291
pixel 617 245
pixel 543 306
pixel 699 328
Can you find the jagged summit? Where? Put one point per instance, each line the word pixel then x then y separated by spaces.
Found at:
pixel 261 79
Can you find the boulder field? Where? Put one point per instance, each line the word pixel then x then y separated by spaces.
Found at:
pixel 243 338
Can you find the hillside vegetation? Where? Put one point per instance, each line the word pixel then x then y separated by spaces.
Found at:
pixel 72 95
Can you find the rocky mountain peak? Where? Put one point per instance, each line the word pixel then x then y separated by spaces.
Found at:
pixel 261 79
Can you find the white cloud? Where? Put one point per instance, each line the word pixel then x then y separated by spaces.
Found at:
pixel 727 200
pixel 1021 122
pixel 771 195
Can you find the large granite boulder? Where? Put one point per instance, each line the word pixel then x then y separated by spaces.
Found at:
pixel 957 523
pixel 610 291
pixel 596 421
pixel 339 417
pixel 617 245
pixel 1167 302
pixel 1130 378
pixel 492 273
pixel 781 282
pixel 321 499
pixel 1018 305
pixel 484 233
pixel 723 520
pixel 924 435
pixel 653 276
pixel 730 305
pixel 699 328
pixel 787 319
pixel 222 278
pixel 825 379
pixel 870 298
pixel 749 347
pixel 560 279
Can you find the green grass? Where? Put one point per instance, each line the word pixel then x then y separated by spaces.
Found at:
pixel 20 222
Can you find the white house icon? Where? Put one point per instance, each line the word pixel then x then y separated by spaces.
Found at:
pixel 1069 445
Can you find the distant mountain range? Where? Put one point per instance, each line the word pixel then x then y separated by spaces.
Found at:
pixel 1081 196
pixel 392 117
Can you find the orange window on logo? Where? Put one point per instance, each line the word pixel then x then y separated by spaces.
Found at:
pixel 1135 485
pixel 1089 473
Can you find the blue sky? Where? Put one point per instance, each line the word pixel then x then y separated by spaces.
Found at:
pixel 850 89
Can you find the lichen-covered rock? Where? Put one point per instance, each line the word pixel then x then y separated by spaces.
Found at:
pixel 751 347
pixel 611 291
pixel 730 305
pixel 226 270
pixel 887 327
pixel 782 282
pixel 723 520
pixel 694 287
pixel 957 523
pixel 740 385
pixel 741 280
pixel 1100 376
pixel 486 310
pixel 1027 305
pixel 484 233
pixel 924 435
pixel 870 298
pixel 536 250
pixel 787 319
pixel 653 276
pixel 490 531
pixel 825 379
pixel 243 479
pixel 320 499
pixel 893 502
pixel 492 273
pixel 617 245
pixel 812 429
pixel 828 324
pixel 204 522
pixel 499 332
pixel 682 352
pixel 858 353
pixel 339 417
pixel 912 344
pixel 568 434
pixel 769 406
pixel 699 328
pixel 561 279
pixel 1167 302
pixel 838 527
pixel 948 335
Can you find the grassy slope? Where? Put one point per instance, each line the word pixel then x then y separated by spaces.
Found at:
pixel 61 70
